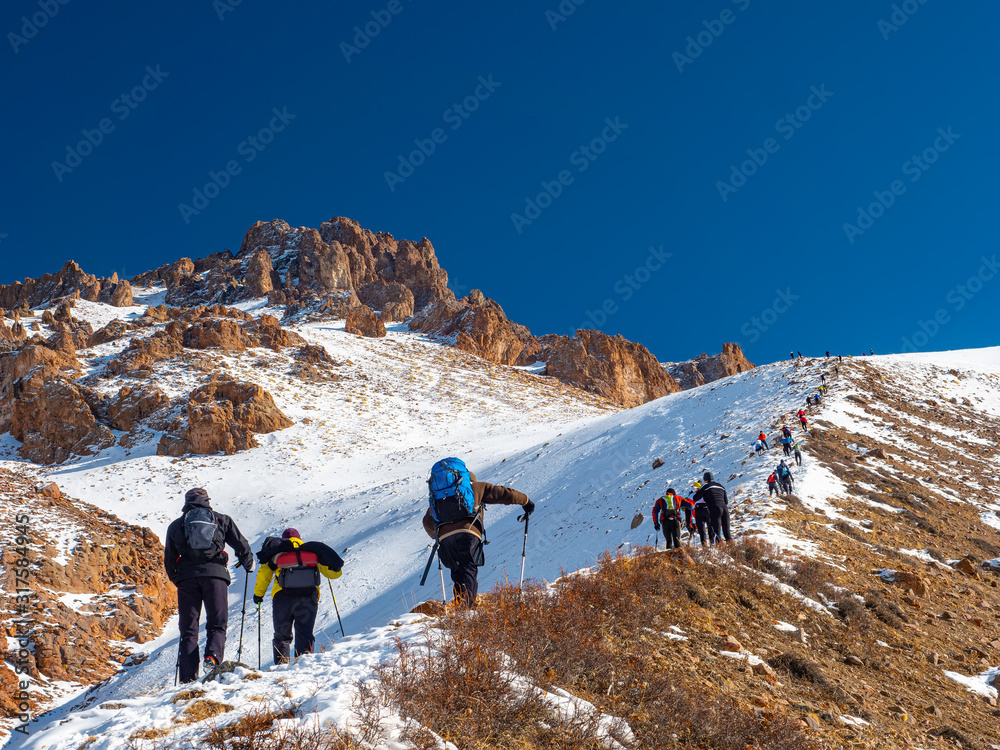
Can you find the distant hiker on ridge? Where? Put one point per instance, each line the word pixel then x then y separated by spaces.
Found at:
pixel 798 454
pixel 196 562
pixel 457 504
pixel 714 495
pixel 296 592
pixel 763 438
pixel 772 485
pixel 758 447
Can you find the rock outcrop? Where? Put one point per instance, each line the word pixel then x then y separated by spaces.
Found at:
pixel 610 366
pixel 705 369
pixel 393 300
pixel 69 281
pixel 114 569
pixel 478 325
pixel 52 419
pixel 362 321
pixel 222 417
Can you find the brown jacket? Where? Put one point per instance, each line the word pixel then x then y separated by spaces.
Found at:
pixel 485 494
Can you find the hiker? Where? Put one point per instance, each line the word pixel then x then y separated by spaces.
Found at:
pixel 687 505
pixel 715 497
pixel 791 355
pixel 786 431
pixel 804 421
pixel 763 439
pixel 702 518
pixel 786 445
pixel 828 354
pixel 197 564
pixel 758 447
pixel 784 475
pixel 798 454
pixel 667 513
pixel 871 352
pixel 296 592
pixel 822 375
pixel 772 485
pixel 800 355
pixel 455 517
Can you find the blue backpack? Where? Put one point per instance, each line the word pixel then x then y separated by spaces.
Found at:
pixel 450 492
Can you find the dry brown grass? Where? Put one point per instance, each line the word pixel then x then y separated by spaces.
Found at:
pixel 203 708
pixel 587 639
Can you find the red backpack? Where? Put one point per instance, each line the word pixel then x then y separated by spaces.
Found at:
pixel 297 570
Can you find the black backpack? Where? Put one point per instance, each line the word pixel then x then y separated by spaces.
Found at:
pixel 203 539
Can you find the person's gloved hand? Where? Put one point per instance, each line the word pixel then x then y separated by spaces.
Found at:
pixel 656 526
pixel 247 563
pixel 529 508
pixel 258 599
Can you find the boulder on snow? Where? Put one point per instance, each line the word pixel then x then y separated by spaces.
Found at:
pixel 362 321
pixel 222 417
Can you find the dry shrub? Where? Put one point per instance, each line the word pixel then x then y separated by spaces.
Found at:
pixel 187 695
pixel 586 638
pixel 250 731
pixel 850 531
pixel 811 576
pixel 202 709
pixel 800 668
pixel 888 612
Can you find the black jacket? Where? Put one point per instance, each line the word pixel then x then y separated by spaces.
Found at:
pixel 180 569
pixel 712 493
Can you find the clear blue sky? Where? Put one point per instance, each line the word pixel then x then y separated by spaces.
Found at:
pixel 885 90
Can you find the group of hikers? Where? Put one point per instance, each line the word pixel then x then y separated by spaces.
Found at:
pixel 196 562
pixel 705 512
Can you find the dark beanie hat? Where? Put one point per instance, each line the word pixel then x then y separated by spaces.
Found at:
pixel 708 476
pixel 198 493
pixel 289 533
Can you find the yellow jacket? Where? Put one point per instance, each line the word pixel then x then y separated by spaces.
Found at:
pixel 265 573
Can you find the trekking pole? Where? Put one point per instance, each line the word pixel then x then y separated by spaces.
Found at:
pixel 656 541
pixel 258 638
pixel 524 549
pixel 177 671
pixel 246 584
pixel 444 595
pixel 336 608
pixel 427 568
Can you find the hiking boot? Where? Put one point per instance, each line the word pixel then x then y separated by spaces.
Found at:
pixel 209 665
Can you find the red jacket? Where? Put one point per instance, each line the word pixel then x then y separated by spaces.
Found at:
pixel 660 508
pixel 772 479
pixel 762 437
pixel 800 414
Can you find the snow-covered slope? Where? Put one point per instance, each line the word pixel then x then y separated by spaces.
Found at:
pixel 351 471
